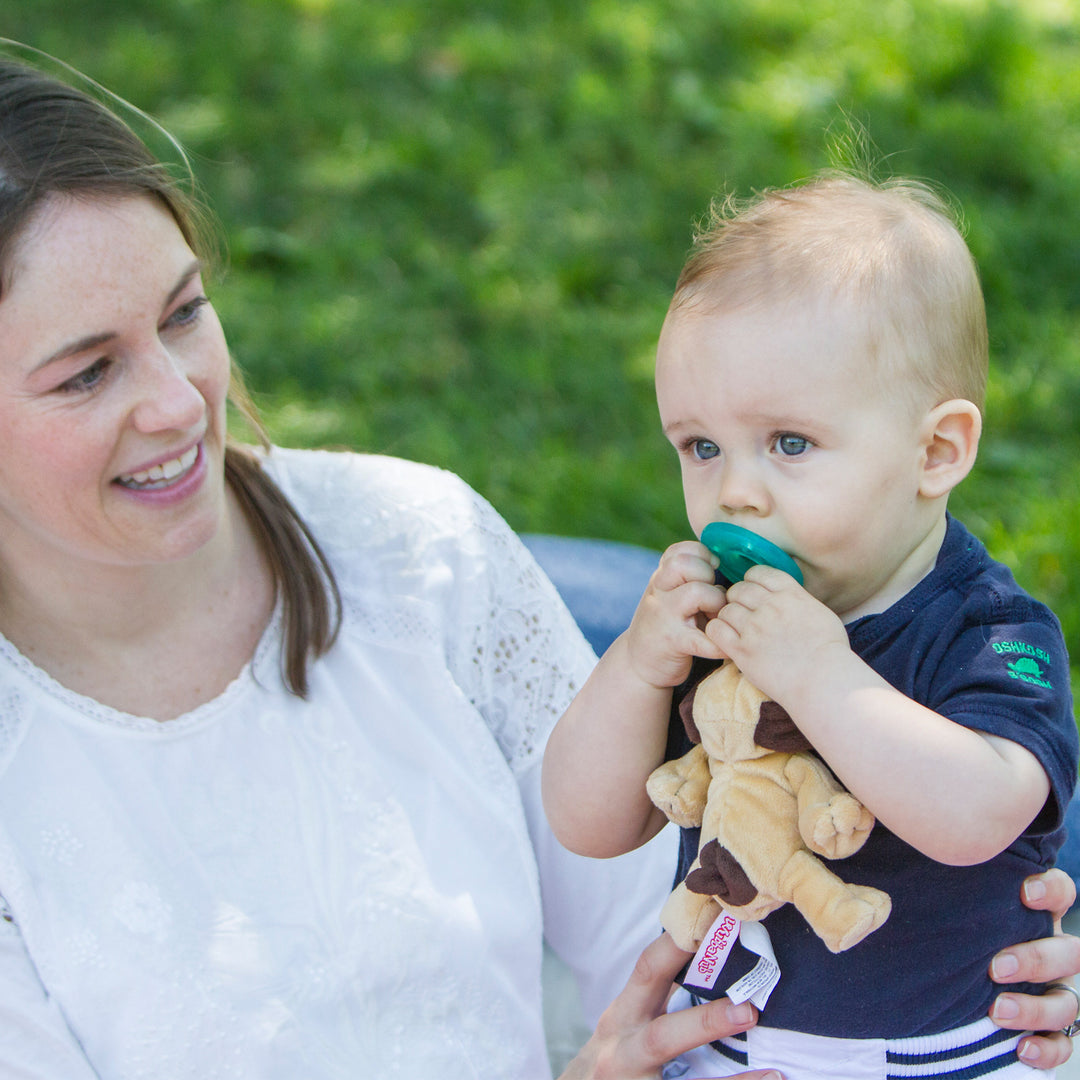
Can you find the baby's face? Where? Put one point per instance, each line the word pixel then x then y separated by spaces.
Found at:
pixel 782 428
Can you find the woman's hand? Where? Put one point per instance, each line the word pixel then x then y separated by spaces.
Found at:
pixel 1047 960
pixel 635 1037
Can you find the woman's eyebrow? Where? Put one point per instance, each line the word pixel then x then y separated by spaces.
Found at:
pixel 93 341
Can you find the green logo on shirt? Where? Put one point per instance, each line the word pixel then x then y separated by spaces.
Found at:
pixel 1030 665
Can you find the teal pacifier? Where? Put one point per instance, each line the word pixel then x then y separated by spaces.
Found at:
pixel 738 549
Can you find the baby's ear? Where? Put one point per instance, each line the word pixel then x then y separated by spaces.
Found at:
pixel 951 433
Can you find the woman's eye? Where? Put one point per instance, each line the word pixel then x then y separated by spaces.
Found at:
pixel 89 378
pixel 704 450
pixel 792 445
pixel 187 313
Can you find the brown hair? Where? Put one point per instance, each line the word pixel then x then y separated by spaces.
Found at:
pixel 56 140
pixel 894 250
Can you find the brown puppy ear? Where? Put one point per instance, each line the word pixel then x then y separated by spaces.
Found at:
pixel 777 731
pixel 686 715
pixel 721 875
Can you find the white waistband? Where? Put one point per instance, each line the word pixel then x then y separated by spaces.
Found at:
pixel 972 1052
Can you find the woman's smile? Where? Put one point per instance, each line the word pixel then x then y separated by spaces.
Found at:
pixel 159 476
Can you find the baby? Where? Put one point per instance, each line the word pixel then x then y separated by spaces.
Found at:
pixel 821 373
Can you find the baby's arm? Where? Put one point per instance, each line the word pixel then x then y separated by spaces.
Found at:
pixel 958 795
pixel 615 731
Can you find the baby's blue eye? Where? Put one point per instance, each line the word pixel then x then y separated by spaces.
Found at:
pixel 792 445
pixel 704 450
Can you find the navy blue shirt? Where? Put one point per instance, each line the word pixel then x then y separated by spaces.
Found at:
pixel 970 644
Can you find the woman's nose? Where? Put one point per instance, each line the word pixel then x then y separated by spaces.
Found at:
pixel 168 399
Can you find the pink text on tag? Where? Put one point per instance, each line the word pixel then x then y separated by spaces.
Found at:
pixel 713 952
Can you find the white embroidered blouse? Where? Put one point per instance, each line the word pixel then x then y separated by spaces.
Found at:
pixel 348 886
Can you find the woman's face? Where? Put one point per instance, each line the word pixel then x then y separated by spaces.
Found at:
pixel 113 378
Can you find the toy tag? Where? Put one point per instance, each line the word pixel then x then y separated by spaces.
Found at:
pixel 713 952
pixel 758 983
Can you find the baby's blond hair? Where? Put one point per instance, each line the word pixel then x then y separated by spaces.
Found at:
pixel 893 250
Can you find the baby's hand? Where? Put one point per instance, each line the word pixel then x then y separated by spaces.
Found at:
pixel 771 627
pixel 667 628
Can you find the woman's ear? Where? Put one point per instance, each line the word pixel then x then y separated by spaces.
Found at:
pixel 951 433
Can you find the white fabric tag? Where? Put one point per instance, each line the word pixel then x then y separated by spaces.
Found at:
pixel 758 983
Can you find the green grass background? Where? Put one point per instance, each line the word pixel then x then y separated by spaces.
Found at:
pixel 454 226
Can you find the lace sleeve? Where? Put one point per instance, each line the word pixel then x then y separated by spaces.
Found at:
pixel 420 555
pixel 519 655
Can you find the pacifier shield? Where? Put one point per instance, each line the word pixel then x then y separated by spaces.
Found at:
pixel 738 549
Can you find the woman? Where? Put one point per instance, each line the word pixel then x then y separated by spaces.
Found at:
pixel 270 721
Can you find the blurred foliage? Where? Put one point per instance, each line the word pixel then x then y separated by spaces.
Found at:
pixel 453 225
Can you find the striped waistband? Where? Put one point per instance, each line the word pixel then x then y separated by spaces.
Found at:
pixel 980 1049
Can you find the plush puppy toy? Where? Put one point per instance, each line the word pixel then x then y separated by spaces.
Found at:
pixel 765 805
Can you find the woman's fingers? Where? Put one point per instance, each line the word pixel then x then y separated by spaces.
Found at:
pixel 649 986
pixel 1052 1011
pixel 1053 891
pixel 1045 1051
pixel 659 1035
pixel 1042 961
pixel 672 1034
pixel 636 1036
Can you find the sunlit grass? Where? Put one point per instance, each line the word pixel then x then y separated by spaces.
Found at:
pixel 454 226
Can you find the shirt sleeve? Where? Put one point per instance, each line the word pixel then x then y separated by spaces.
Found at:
pixel 1010 678
pixel 35 1041
pixel 598 913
